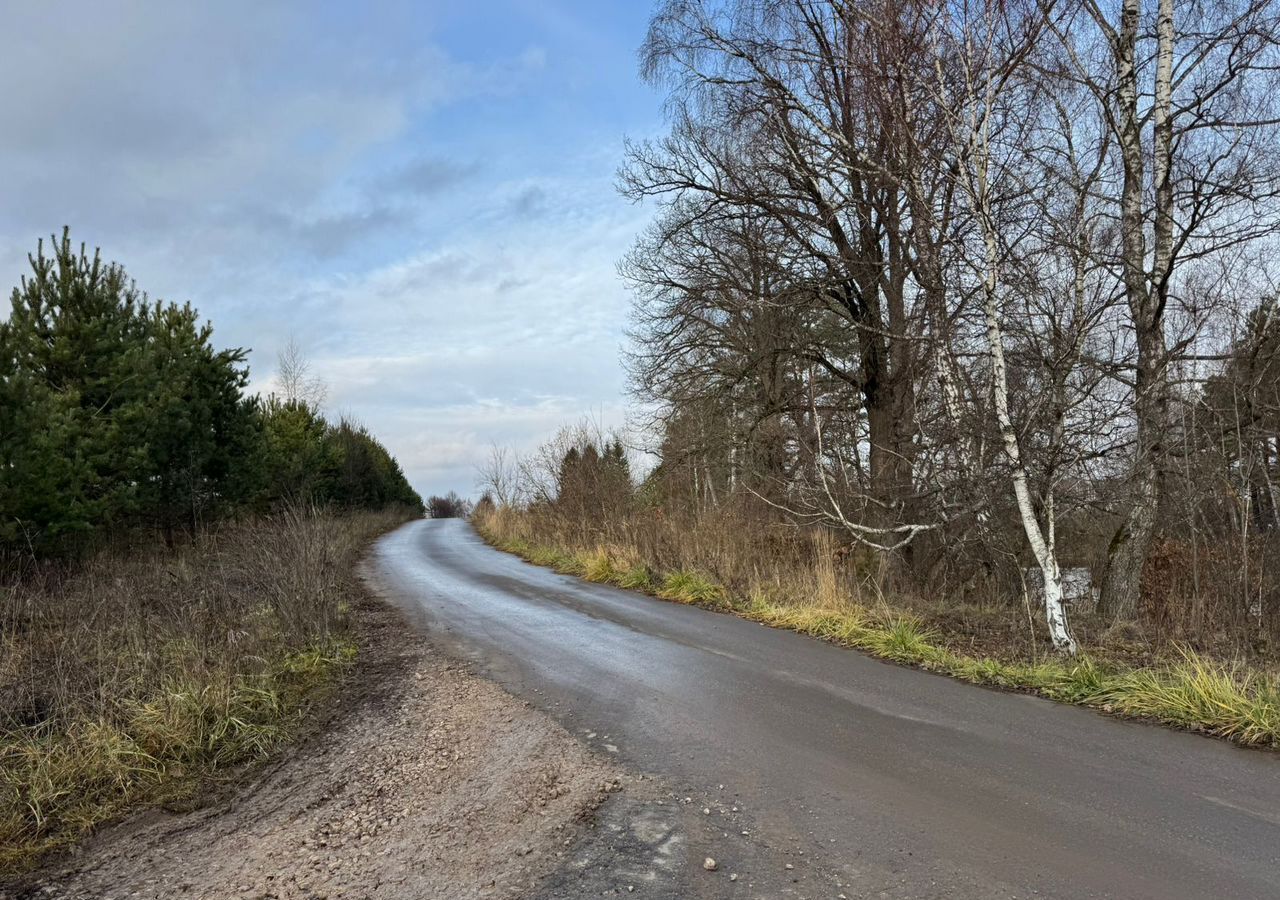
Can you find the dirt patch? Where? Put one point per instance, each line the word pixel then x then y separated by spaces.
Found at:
pixel 424 781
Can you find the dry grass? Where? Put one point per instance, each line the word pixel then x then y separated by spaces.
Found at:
pixel 135 675
pixel 796 582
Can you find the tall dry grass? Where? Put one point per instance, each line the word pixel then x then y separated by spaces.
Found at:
pixel 744 556
pixel 134 674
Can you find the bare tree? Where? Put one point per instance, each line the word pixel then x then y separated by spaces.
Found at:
pixel 499 476
pixel 297 384
pixel 810 117
pixel 924 271
pixel 450 506
pixel 987 45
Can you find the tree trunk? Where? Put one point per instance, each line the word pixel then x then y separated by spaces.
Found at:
pixel 1041 547
pixel 1040 538
pixel 1147 295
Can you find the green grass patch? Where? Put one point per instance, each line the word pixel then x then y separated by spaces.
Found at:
pixel 636 578
pixel 903 639
pixel 600 568
pixel 692 587
pixel 564 561
pixel 1196 693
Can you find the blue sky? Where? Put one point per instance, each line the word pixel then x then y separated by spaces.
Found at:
pixel 420 194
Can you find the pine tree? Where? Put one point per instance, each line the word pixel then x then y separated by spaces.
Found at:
pixel 73 352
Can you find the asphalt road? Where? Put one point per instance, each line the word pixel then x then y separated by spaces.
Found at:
pixel 867 779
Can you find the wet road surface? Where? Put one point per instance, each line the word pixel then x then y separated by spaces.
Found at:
pixel 867 779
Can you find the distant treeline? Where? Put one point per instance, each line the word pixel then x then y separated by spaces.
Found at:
pixel 117 413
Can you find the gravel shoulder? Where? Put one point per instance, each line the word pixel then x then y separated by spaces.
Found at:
pixel 423 780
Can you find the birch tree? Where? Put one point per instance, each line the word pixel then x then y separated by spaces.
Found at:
pixel 1201 82
pixel 987 46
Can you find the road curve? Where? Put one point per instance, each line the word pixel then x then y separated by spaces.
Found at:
pixel 869 778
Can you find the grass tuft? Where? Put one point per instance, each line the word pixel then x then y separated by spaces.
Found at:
pixel 599 567
pixel 1204 696
pixel 902 638
pixel 693 588
pixel 636 578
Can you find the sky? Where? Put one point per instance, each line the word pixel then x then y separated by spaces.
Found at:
pixel 421 194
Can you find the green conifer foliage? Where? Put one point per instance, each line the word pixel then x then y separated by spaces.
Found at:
pixel 118 413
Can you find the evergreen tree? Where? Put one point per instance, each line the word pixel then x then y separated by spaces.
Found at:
pixel 117 413
pixel 73 354
pixel 296 459
pixel 198 428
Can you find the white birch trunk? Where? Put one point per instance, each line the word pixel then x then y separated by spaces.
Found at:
pixel 1042 547
pixel 1046 557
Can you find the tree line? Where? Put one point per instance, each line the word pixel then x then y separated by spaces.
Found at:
pixel 983 287
pixel 118 413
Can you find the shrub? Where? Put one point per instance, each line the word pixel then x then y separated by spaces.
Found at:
pixel 450 506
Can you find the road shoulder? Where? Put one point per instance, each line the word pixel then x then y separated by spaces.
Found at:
pixel 423 780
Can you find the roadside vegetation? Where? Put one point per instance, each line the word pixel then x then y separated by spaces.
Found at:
pixel 450 506
pixel 587 519
pixel 132 677
pixel 952 283
pixel 177 557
